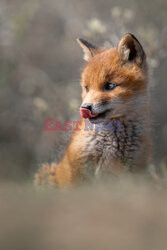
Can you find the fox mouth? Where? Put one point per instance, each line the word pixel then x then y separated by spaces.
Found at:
pixel 99 116
pixel 87 114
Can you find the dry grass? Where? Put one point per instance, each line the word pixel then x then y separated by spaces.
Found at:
pixel 125 214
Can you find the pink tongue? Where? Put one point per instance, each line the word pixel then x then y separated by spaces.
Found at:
pixel 86 113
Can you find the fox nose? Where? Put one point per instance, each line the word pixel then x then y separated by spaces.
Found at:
pixel 86 111
pixel 89 107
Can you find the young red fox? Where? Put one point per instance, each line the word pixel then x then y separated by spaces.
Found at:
pixel 114 90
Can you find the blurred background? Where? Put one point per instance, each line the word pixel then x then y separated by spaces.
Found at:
pixel 40 69
pixel 40 65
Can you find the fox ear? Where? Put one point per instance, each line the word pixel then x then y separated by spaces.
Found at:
pixel 89 49
pixel 130 50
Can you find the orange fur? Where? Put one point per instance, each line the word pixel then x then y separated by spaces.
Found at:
pixel 129 103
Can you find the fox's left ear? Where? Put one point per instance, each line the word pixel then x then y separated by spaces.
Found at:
pixel 130 50
pixel 89 49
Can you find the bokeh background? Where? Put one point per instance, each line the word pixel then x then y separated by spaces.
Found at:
pixel 40 71
pixel 40 65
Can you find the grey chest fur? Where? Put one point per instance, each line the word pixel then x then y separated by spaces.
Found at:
pixel 122 143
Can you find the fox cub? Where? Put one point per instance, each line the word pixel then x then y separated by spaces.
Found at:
pixel 115 98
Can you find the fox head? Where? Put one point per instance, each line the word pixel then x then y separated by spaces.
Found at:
pixel 114 81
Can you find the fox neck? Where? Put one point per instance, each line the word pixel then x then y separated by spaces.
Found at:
pixel 129 141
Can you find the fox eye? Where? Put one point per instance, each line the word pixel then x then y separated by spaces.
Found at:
pixel 110 86
pixel 86 88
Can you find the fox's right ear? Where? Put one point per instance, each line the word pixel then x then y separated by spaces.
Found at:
pixel 89 49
